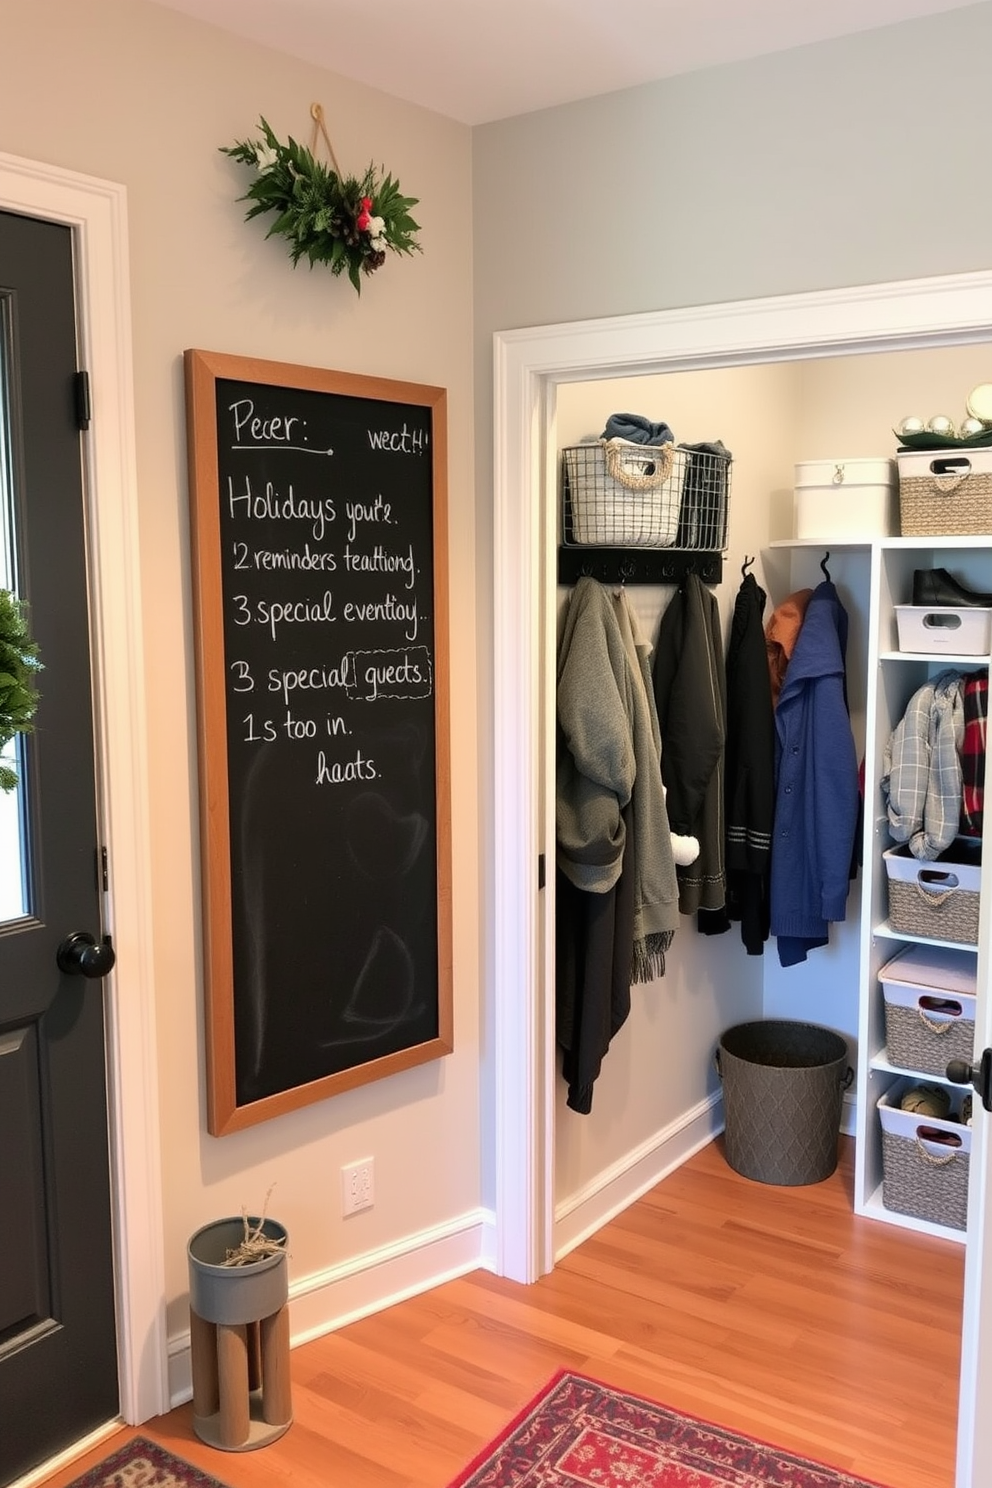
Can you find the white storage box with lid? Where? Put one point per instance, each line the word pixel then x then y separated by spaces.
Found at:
pixel 845 499
pixel 925 1161
pixel 945 492
pixel 938 899
pixel 931 629
pixel 929 996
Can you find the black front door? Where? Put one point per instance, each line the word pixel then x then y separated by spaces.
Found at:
pixel 58 1347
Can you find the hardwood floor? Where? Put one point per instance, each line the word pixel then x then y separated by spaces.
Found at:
pixel 773 1311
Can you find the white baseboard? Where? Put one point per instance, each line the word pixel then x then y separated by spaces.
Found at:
pixel 615 1188
pixel 326 1300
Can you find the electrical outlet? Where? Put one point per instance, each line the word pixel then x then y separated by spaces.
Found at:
pixel 357 1186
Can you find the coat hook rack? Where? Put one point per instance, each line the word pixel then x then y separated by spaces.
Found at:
pixel 637 566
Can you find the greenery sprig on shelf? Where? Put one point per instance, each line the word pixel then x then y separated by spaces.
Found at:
pixel 18 665
pixel 349 223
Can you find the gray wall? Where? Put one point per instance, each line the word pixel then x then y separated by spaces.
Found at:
pixel 848 162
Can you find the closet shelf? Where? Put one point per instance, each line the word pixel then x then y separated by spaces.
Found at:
pixel 884 931
pixel 875 1209
pixel 942 657
pixel 881 1064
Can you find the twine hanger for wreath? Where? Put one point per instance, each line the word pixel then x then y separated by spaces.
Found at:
pixel 349 223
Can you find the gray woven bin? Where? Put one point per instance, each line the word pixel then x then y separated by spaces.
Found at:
pixel 950 915
pixel 915 1042
pixel 926 1187
pixel 783 1084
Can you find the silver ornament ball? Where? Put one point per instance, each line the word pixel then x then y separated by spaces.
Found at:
pixel 911 425
pixel 941 424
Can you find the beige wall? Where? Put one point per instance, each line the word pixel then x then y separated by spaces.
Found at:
pixel 138 94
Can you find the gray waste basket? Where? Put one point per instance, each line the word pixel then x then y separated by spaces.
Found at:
pixel 783 1084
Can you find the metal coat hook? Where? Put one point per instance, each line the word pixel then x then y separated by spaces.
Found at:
pixel 745 566
pixel 824 569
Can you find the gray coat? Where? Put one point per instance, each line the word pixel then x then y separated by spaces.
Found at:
pixel 608 757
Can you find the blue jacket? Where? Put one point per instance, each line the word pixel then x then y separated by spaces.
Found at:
pixel 816 784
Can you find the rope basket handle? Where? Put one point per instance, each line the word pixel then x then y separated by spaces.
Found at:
pixel 947 483
pixel 934 897
pixel 931 1157
pixel 660 457
pixel 938 1028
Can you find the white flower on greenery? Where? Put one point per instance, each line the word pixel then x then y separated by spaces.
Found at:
pixel 376 230
pixel 265 156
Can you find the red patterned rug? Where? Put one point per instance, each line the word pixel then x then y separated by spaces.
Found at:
pixel 581 1434
pixel 143 1464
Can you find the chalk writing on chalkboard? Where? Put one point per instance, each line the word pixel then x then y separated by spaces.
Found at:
pixel 318 513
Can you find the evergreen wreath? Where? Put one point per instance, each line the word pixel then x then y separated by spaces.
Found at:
pixel 18 665
pixel 346 222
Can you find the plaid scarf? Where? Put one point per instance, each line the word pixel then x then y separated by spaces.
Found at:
pixel 976 709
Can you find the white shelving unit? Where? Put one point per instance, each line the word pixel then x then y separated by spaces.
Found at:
pixel 892 678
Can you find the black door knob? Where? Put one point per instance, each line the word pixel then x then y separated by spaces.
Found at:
pixel 80 955
pixel 979 1076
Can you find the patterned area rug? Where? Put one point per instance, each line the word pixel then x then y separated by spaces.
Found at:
pixel 580 1434
pixel 142 1464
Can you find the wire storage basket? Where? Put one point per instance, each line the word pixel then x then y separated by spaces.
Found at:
pixel 617 494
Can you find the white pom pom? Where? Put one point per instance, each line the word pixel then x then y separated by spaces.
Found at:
pixel 685 849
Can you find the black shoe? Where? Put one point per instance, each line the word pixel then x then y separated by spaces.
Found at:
pixel 935 586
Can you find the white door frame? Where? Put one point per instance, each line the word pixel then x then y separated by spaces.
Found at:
pixel 96 212
pixel 529 364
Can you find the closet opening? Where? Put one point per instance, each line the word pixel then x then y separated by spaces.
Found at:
pixel 808 377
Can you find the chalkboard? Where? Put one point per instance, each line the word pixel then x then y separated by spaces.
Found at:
pixel 318 528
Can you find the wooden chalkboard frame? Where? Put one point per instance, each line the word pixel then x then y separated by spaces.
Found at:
pixel 203 369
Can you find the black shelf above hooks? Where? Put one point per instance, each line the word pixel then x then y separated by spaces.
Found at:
pixel 637 565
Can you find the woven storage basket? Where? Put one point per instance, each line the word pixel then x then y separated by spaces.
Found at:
pixel 929 994
pixel 945 492
pixel 934 899
pixel 619 494
pixel 925 1164
pixel 916 1040
pixel 783 1084
pixel 918 1181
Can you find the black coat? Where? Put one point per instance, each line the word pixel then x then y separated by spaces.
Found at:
pixel 690 692
pixel 750 768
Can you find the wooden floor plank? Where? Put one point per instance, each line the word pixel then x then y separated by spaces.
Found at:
pixel 769 1310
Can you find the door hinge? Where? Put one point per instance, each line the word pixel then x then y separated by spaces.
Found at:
pixel 82 399
pixel 540 871
pixel 102 872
